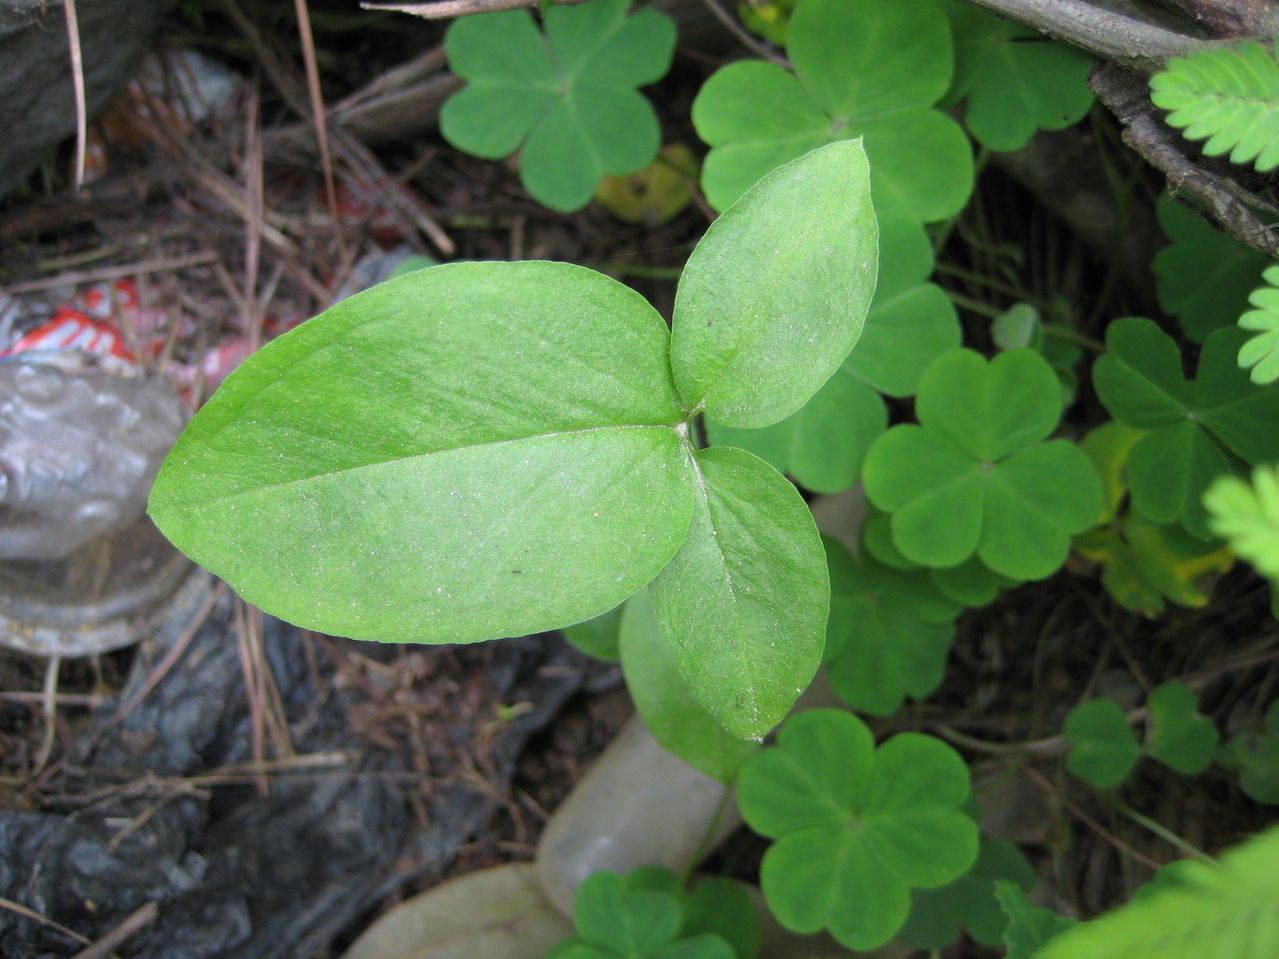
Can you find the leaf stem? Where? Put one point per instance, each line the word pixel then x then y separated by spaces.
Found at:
pixel 1163 832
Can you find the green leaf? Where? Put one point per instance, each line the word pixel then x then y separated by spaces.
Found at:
pixel 775 294
pixel 1261 353
pixel 1180 736
pixel 1199 431
pixel 894 633
pixel 597 637
pixel 1255 753
pixel 632 923
pixel 1203 277
pixel 937 915
pixel 1230 97
pixel 870 70
pixel 1248 517
pixel 1103 747
pixel 1029 927
pixel 674 716
pixel 822 445
pixel 335 454
pixel 569 97
pixel 856 827
pixel 1014 78
pixel 744 602
pixel 972 583
pixel 722 907
pixel 973 477
pixel 1226 911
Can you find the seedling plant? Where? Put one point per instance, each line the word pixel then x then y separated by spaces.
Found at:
pixel 533 463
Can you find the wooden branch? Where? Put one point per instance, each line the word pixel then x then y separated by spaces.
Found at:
pixel 1227 204
pixel 1115 36
pixel 446 9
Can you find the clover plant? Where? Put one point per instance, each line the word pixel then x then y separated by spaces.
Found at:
pixel 1013 80
pixel 1255 754
pixel 1199 429
pixel 937 915
pixel 528 464
pixel 566 99
pixel 975 478
pixel 889 632
pixel 856 826
pixel 1104 748
pixel 647 915
pixel 1202 277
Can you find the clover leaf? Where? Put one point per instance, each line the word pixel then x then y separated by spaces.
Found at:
pixel 1199 430
pixel 639 917
pixel 1202 277
pixel 856 827
pixel 1014 79
pixel 1255 753
pixel 974 478
pixel 1181 737
pixel 936 915
pixel 889 632
pixel 972 583
pixel 1103 747
pixel 568 96
pixel 869 70
pixel 1029 927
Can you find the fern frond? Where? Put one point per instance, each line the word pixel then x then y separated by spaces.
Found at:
pixel 1204 912
pixel 1262 351
pixel 1228 96
pixel 1248 517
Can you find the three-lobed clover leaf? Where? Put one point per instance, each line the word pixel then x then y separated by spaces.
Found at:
pixel 861 69
pixel 856 827
pixel 1014 80
pixel 975 478
pixel 1261 352
pixel 527 464
pixel 646 916
pixel 568 96
pixel 1103 747
pixel 937 915
pixel 1198 430
pixel 889 633
pixel 1202 277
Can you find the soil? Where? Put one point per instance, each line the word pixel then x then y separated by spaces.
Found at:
pixel 229 245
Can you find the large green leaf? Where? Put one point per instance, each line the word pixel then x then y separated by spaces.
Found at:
pixel 775 294
pixel 1198 432
pixel 856 827
pixel 1014 78
pixel 675 717
pixel 517 469
pixel 1225 911
pixel 973 478
pixel 744 602
pixel 871 69
pixel 570 94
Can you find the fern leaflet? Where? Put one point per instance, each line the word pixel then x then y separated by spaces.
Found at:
pixel 1248 516
pixel 1262 351
pixel 1229 96
pixel 1200 912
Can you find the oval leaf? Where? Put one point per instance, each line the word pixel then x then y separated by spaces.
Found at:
pixel 514 468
